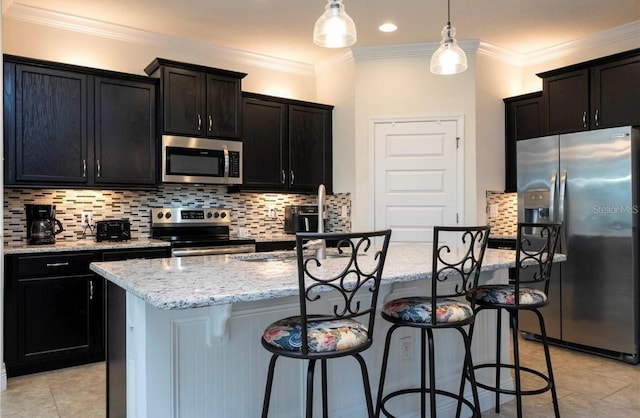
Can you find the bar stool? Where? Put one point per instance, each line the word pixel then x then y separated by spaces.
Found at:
pixel 535 249
pixel 345 329
pixel 457 255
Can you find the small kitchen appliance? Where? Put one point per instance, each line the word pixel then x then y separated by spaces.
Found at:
pixel 302 218
pixel 113 230
pixel 42 225
pixel 200 231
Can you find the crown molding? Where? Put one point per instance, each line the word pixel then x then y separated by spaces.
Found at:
pixel 408 50
pixel 39 16
pixel 93 27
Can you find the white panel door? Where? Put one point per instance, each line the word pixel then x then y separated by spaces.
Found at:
pixel 416 173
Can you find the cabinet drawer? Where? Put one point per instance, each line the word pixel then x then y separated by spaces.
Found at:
pixel 53 265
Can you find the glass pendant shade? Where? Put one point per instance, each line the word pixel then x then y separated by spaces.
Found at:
pixel 334 29
pixel 449 58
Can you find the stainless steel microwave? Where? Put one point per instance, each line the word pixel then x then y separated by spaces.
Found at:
pixel 201 160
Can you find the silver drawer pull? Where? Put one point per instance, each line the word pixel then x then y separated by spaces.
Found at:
pixel 58 264
pixel 90 289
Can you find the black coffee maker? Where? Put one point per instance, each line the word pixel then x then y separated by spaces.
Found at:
pixel 42 225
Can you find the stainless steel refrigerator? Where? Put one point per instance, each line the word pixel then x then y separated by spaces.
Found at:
pixel 589 181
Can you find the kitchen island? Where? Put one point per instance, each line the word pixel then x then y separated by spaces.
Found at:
pixel 192 328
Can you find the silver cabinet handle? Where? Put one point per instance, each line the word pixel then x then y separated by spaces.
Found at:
pixel 199 125
pixel 584 119
pixel 284 177
pixel 597 117
pixel 99 168
pixel 90 289
pixel 58 264
pixel 84 168
pixel 210 123
pixel 292 179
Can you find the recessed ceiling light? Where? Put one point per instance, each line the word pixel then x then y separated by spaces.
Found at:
pixel 387 27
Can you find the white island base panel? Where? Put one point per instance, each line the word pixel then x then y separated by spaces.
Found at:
pixel 209 362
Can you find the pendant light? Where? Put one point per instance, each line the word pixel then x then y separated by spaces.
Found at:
pixel 449 58
pixel 334 29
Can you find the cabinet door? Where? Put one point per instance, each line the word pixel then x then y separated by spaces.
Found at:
pixel 615 93
pixel 224 100
pixel 523 120
pixel 51 126
pixel 125 146
pixel 309 147
pixel 184 101
pixel 567 102
pixel 264 144
pixel 57 317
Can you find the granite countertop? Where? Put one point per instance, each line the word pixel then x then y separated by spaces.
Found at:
pixel 192 282
pixel 81 245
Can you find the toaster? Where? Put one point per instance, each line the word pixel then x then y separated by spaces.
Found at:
pixel 113 230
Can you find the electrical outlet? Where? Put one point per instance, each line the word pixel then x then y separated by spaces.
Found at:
pixel 87 219
pixel 493 211
pixel 271 212
pixel 406 348
pixel 344 213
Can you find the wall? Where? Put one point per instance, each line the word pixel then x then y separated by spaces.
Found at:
pixel 495 80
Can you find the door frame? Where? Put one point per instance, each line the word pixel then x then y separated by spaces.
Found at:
pixel 460 184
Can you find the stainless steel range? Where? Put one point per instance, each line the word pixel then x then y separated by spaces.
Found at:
pixel 201 231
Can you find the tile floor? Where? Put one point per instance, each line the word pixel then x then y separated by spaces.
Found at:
pixel 588 386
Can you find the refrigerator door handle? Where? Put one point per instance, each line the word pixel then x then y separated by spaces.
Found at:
pixel 552 194
pixel 561 194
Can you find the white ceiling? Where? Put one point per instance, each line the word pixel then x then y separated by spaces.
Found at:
pixel 283 28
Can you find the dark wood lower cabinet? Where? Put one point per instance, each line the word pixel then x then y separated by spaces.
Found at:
pixel 54 308
pixel 54 312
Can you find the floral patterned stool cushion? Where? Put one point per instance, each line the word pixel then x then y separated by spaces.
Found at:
pixel 323 336
pixel 418 309
pixel 506 295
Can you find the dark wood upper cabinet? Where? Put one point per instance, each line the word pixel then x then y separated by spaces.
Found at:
pixel 265 144
pixel 615 93
pixel 601 93
pixel 567 102
pixel 125 150
pixel 46 116
pixel 197 100
pixel 75 127
pixel 523 120
pixel 287 144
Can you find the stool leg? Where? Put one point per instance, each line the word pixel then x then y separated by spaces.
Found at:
pixel 365 382
pixel 468 364
pixel 545 344
pixel 310 370
pixel 516 360
pixel 325 402
pixel 423 371
pixel 383 370
pixel 465 371
pixel 267 392
pixel 498 355
pixel 432 374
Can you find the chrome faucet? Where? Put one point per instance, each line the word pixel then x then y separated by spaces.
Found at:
pixel 321 251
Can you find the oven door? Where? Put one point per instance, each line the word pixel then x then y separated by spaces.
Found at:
pixel 199 160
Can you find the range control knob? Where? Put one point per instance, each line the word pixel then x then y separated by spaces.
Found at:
pixel 216 215
pixel 209 215
pixel 168 215
pixel 223 215
pixel 159 215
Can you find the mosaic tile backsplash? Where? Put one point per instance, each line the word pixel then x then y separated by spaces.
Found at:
pixel 506 221
pixel 248 210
